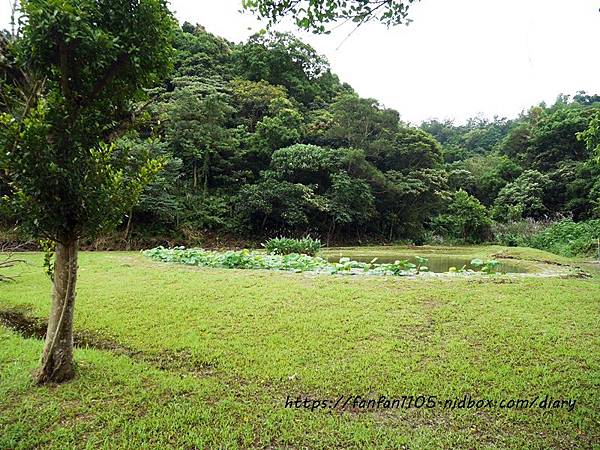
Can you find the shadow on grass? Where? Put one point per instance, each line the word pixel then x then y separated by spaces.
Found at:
pixel 28 326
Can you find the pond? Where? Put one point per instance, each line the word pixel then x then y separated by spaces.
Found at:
pixel 437 263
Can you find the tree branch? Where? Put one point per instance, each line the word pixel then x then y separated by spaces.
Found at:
pixel 63 54
pixel 113 70
pixel 126 123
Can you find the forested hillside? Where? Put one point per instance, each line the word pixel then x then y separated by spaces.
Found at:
pixel 262 139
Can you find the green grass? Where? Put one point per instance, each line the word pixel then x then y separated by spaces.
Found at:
pixel 219 350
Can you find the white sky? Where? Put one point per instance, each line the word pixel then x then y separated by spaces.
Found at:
pixel 458 59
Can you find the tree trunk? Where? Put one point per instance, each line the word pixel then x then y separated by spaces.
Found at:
pixel 195 176
pixel 330 232
pixel 128 230
pixel 205 172
pixel 57 359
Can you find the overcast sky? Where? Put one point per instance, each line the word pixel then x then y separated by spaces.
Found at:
pixel 458 59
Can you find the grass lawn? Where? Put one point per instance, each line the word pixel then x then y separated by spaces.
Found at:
pixel 205 358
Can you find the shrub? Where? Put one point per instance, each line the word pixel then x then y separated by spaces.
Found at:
pixel 569 238
pixel 519 233
pixel 286 246
pixel 524 197
pixel 242 259
pixel 466 219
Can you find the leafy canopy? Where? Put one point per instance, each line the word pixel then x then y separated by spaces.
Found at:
pixel 84 64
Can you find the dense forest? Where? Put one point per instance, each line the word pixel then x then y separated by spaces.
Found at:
pixel 261 139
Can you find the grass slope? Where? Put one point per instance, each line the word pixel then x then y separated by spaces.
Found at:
pixel 211 356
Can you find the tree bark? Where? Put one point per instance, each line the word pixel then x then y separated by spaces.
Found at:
pixel 330 232
pixel 57 358
pixel 205 172
pixel 195 176
pixel 205 186
pixel 128 230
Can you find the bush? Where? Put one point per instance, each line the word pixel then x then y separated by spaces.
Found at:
pixel 519 233
pixel 522 198
pixel 569 238
pixel 286 246
pixel 466 219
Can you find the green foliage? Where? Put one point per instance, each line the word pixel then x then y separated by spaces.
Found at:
pixel 254 98
pixel 87 62
pixel 518 233
pixel 159 202
pixel 197 133
pixel 206 212
pixel 485 158
pixel 569 238
pixel 591 136
pixel 485 175
pixel 201 56
pixel 409 149
pixel 300 161
pixel 48 248
pixel 282 59
pixel 280 128
pixel 276 205
pixel 525 197
pixel 286 246
pixel 360 123
pixel 488 266
pixel 554 139
pixel 466 219
pixel 261 139
pixel 564 237
pixel 297 262
pixel 243 259
pixel 350 200
pixel 409 199
pixel 477 137
pixel 422 264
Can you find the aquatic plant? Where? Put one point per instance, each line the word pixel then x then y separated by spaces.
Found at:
pixel 295 262
pixel 488 266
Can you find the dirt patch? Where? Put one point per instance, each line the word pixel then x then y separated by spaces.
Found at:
pixel 574 272
pixel 28 326
pixel 17 319
pixel 502 255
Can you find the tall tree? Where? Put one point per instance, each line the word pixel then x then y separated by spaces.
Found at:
pixel 591 136
pixel 283 59
pixel 84 64
pixel 196 131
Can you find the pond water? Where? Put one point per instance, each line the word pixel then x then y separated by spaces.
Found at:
pixel 437 263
